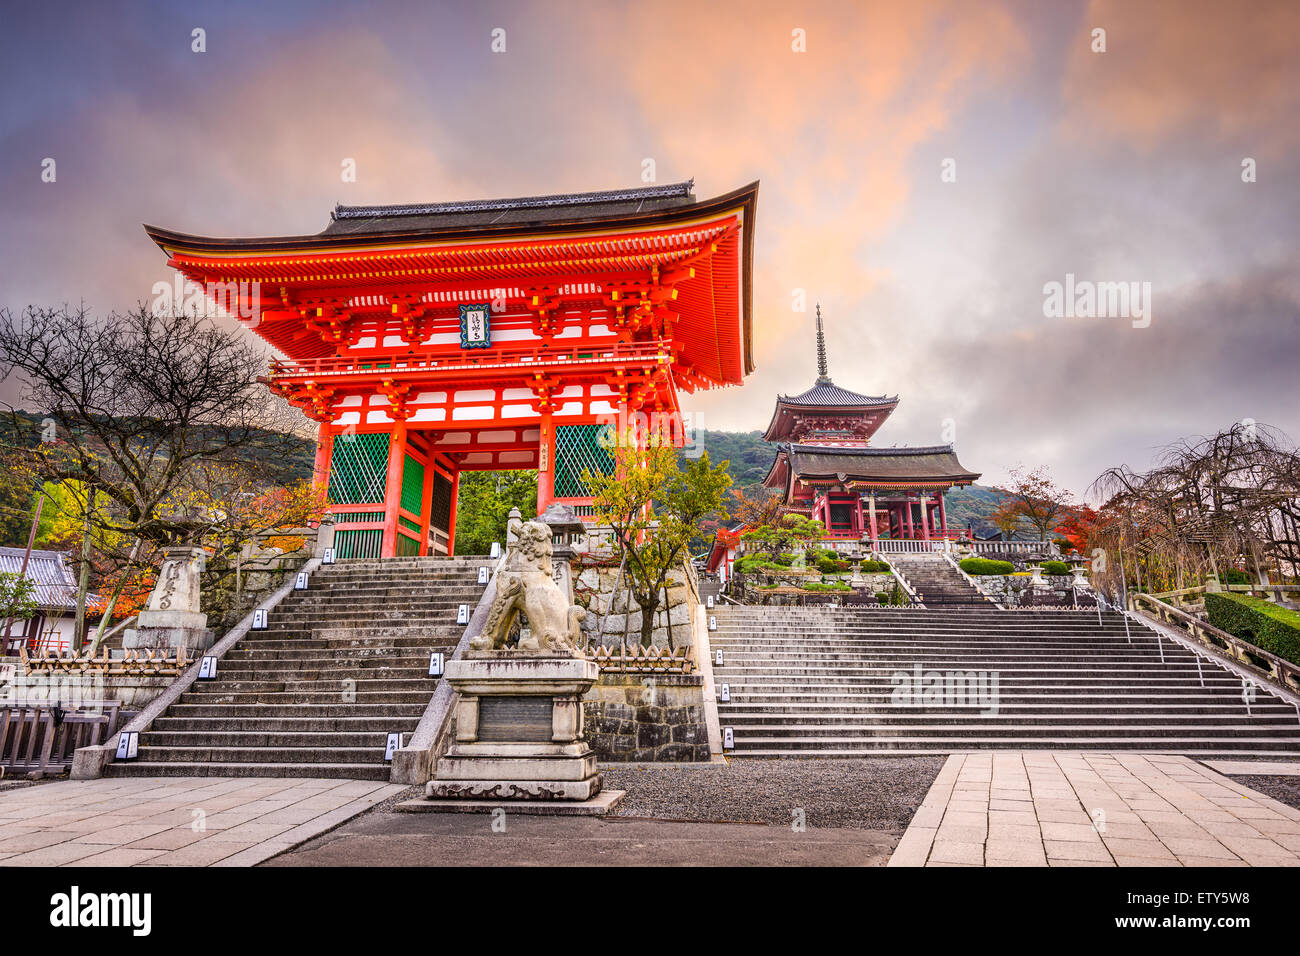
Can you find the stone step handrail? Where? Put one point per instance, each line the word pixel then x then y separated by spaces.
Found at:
pixel 1279 671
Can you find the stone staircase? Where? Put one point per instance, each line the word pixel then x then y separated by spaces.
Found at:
pixel 936 582
pixel 341 666
pixel 820 681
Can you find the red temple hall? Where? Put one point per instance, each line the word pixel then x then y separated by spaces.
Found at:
pixel 826 468
pixel 428 340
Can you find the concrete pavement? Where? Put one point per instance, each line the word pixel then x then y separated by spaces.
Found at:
pixel 1094 809
pixel 173 821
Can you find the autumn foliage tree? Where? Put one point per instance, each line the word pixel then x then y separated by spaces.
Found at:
pixel 652 505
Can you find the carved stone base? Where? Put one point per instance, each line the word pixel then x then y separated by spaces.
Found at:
pixel 519 730
pixel 499 790
pixel 195 640
pixel 597 806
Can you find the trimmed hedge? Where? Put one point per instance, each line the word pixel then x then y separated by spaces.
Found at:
pixel 975 566
pixel 1259 622
pixel 873 567
pixel 831 565
pixel 1055 567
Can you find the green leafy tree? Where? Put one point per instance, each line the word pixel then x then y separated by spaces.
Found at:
pixel 17 598
pixel 483 506
pixel 788 532
pixel 653 503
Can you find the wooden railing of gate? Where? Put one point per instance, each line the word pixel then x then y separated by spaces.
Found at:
pixel 41 739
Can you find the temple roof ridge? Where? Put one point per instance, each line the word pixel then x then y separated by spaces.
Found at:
pixel 682 190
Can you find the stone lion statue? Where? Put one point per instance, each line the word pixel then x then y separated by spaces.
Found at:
pixel 527 584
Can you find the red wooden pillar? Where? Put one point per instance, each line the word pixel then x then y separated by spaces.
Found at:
pixel 545 463
pixel 925 517
pixel 907 512
pixel 451 520
pixel 426 500
pixel 324 454
pixel 943 518
pixel 871 514
pixel 393 488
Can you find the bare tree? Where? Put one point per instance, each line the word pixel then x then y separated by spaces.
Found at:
pixel 156 414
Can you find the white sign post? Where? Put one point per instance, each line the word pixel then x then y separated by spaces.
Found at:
pixel 328 556
pixel 208 668
pixel 728 739
pixel 394 741
pixel 483 575
pixel 462 614
pixel 300 583
pixel 713 623
pixel 717 659
pixel 726 693
pixel 128 746
pixel 259 619
pixel 435 664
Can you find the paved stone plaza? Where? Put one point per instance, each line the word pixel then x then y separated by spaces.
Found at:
pixel 1109 809
pixel 1032 808
pixel 155 821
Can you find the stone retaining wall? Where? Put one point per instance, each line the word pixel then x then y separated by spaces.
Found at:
pixel 661 717
pixel 1006 589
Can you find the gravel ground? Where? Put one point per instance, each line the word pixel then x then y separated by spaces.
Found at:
pixel 872 793
pixel 1282 789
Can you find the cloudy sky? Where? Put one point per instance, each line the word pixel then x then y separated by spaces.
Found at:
pixel 1116 166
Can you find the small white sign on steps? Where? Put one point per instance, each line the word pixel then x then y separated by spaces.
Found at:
pixel 713 623
pixel 435 664
pixel 483 575
pixel 462 614
pixel 709 601
pixel 394 741
pixel 728 739
pixel 300 583
pixel 208 668
pixel 726 693
pixel 717 659
pixel 259 619
pixel 328 556
pixel 128 746
pixel 496 549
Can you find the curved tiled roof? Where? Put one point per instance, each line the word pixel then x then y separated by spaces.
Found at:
pixel 56 587
pixel 929 463
pixel 828 393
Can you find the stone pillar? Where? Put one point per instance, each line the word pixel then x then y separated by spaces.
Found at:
pixel 172 618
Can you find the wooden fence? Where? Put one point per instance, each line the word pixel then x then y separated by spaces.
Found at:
pixel 37 740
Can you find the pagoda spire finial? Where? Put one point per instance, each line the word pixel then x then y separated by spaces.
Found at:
pixel 822 377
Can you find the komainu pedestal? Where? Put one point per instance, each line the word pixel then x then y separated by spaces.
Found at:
pixel 519 729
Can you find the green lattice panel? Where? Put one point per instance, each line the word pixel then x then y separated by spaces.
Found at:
pixel 412 485
pixel 358 544
pixel 407 547
pixel 578 449
pixel 359 469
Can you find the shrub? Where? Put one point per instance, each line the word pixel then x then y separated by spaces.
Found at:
pixel 785 558
pixel 827 564
pixel 975 566
pixel 1055 567
pixel 873 567
pixel 1262 623
pixel 1234 576
pixel 826 586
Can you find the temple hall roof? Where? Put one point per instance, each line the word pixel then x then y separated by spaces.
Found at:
pixel 932 464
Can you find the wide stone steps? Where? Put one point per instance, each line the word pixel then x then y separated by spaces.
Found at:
pixel 826 682
pixel 341 666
